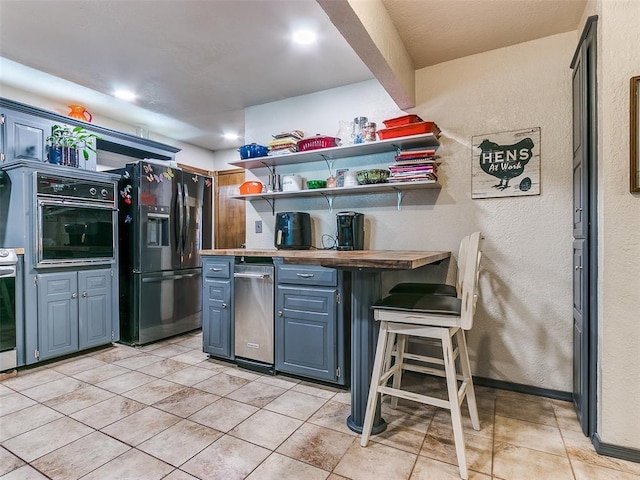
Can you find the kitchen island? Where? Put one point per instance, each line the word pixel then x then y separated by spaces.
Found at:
pixel 365 267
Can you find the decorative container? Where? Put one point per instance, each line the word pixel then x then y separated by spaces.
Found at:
pixel 314 143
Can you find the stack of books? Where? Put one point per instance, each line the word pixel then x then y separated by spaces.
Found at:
pixel 414 165
pixel 285 143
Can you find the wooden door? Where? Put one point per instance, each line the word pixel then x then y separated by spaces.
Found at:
pixel 585 326
pixel 230 214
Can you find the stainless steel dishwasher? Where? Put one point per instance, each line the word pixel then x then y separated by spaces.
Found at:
pixel 253 300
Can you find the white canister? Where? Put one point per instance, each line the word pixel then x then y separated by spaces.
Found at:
pixel 291 183
pixel 350 179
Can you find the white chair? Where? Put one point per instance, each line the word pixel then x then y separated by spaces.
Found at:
pixel 438 317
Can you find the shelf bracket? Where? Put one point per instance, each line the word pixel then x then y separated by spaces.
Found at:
pixel 400 195
pixel 272 204
pixel 272 168
pixel 329 199
pixel 329 162
pixel 397 148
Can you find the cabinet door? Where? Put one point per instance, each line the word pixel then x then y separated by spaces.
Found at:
pixel 26 136
pixel 94 307
pixel 306 331
pixel 216 319
pixel 57 314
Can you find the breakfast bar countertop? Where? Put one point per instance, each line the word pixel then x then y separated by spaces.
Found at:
pixel 375 259
pixel 366 268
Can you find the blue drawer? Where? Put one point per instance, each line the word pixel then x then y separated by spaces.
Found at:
pixel 213 268
pixel 307 275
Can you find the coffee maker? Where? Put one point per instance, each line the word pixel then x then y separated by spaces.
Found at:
pixel 350 231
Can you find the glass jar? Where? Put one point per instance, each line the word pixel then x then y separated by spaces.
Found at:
pixel 345 132
pixel 359 129
pixel 370 132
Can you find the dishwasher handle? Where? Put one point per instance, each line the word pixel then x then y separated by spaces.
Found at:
pixel 261 276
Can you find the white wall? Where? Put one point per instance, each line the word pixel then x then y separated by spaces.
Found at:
pixel 523 332
pixel 619 227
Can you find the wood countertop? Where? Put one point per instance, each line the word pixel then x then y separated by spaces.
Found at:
pixel 19 251
pixel 378 259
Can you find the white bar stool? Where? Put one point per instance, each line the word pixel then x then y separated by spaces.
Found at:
pixel 437 317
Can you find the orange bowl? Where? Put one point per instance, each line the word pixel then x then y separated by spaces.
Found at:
pixel 250 187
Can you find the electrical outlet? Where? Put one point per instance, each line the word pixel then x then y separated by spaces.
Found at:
pixel 258 226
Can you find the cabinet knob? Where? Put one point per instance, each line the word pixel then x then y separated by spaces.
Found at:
pixel 224 305
pixel 74 295
pixel 279 313
pixel 84 294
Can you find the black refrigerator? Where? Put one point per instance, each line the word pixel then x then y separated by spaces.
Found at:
pixel 164 219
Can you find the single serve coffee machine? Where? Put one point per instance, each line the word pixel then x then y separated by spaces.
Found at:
pixel 350 231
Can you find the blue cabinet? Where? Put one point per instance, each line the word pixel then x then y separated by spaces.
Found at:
pixel 217 307
pixel 24 136
pixel 74 311
pixel 311 335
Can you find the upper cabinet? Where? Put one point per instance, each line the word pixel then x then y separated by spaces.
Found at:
pixel 24 130
pixel 24 136
pixel 331 155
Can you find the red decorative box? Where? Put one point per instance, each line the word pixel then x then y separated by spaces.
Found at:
pixel 409 129
pixel 398 121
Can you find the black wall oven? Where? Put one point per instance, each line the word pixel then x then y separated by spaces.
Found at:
pixel 75 221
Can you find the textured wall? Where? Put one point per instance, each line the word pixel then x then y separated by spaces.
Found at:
pixel 619 227
pixel 523 332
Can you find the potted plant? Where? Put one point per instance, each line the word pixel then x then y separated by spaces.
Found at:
pixel 65 142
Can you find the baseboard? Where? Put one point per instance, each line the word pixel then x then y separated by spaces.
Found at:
pixel 616 451
pixel 521 388
pixel 607 449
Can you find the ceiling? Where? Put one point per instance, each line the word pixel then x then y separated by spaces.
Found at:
pixel 196 65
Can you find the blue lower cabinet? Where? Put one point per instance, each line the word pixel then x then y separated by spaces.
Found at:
pixel 311 340
pixel 217 308
pixel 74 311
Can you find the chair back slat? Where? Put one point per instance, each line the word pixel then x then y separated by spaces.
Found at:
pixel 462 257
pixel 469 296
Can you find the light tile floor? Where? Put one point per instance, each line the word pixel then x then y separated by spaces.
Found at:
pixel 167 411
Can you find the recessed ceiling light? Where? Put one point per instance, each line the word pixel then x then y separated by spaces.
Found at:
pixel 127 95
pixel 304 37
pixel 230 136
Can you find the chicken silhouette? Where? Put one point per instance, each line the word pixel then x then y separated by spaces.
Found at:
pixel 505 161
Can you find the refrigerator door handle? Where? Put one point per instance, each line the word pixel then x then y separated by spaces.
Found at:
pixel 187 223
pixel 179 220
pixel 169 277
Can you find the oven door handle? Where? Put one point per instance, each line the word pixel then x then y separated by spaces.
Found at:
pixel 6 272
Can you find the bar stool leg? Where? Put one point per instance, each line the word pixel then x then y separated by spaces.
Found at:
pixel 401 344
pixel 372 400
pixel 454 405
pixel 466 375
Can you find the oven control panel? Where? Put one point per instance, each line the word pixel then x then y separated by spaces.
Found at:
pixel 57 186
